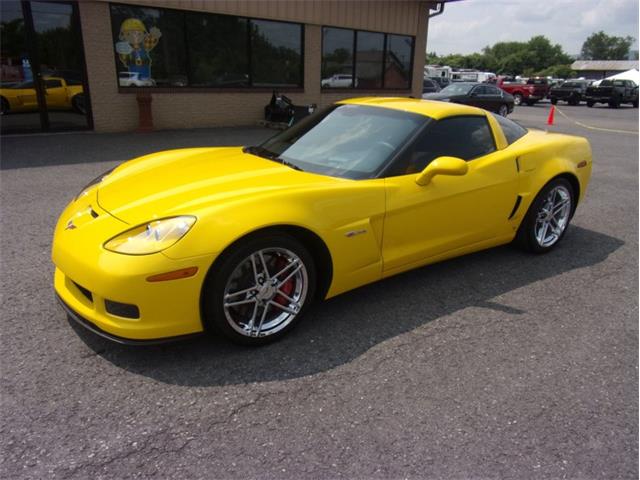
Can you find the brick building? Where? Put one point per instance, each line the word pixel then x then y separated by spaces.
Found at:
pixel 74 65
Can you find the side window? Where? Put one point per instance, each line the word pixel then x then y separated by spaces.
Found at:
pixel 52 83
pixel 512 131
pixel 466 137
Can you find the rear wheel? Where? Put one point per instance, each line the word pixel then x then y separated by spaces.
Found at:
pixel 258 291
pixel 548 217
pixel 554 101
pixel 590 103
pixel 614 103
pixel 503 110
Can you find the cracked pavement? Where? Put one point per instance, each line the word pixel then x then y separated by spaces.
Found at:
pixel 494 365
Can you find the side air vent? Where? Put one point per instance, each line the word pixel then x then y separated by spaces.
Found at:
pixel 515 207
pixel 125 310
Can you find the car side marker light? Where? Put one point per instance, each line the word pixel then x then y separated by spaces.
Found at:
pixel 175 275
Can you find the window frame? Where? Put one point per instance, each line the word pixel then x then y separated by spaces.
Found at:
pixel 196 89
pixel 355 61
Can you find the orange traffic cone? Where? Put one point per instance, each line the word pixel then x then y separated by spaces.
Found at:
pixel 551 113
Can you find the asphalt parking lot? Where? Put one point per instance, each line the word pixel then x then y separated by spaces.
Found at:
pixel 495 365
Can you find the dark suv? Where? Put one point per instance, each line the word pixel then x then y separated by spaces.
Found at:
pixel 571 91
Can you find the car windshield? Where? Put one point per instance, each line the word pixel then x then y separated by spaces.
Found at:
pixel 457 89
pixel 347 141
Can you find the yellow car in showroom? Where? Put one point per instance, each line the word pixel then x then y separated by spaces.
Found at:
pixel 241 240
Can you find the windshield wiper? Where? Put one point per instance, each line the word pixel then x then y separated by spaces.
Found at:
pixel 264 153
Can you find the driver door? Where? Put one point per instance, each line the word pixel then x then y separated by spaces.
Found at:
pixel 451 212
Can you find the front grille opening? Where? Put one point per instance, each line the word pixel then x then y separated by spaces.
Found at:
pixel 118 309
pixel 86 293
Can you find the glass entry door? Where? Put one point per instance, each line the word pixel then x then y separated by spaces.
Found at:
pixel 42 80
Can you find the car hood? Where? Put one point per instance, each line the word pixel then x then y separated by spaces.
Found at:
pixel 181 182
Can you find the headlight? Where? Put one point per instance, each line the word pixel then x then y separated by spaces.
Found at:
pixel 93 182
pixel 151 238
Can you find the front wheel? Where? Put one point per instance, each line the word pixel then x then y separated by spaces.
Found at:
pixel 635 104
pixel 4 106
pixel 77 103
pixel 554 101
pixel 548 217
pixel 590 103
pixel 259 290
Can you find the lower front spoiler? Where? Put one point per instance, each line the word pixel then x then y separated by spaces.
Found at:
pixel 114 338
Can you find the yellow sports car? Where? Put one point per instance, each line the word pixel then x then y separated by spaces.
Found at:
pixel 241 240
pixel 58 94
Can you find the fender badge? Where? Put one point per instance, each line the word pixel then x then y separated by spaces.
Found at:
pixel 70 225
pixel 353 233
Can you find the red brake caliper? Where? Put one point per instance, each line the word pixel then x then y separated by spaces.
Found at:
pixel 287 287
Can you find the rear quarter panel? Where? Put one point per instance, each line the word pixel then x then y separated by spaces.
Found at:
pixel 541 156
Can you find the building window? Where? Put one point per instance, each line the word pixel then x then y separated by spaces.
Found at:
pixel 218 47
pixel 276 54
pixel 337 57
pixel 366 60
pixel 149 46
pixel 170 48
pixel 397 65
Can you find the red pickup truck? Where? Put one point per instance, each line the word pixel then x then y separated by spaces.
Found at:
pixel 528 92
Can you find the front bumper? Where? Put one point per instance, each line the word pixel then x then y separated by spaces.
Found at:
pixel 90 280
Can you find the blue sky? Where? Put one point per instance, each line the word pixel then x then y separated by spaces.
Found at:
pixel 470 25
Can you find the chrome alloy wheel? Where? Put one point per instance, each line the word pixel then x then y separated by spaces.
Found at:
pixel 552 219
pixel 265 292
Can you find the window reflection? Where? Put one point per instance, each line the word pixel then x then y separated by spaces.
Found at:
pixel 276 53
pixel 369 55
pixel 397 71
pixel 217 50
pixel 337 58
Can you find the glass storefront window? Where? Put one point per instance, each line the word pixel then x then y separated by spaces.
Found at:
pixel 337 57
pixel 149 46
pixel 369 56
pixel 157 47
pixel 381 60
pixel 397 65
pixel 217 50
pixel 276 54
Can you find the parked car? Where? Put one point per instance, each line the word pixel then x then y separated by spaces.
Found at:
pixel 529 92
pixel 613 92
pixel 240 241
pixel 430 86
pixel 59 95
pixel 132 79
pixel 571 91
pixel 442 81
pixel 480 95
pixel 339 80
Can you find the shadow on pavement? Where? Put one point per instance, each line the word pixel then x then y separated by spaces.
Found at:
pixel 339 330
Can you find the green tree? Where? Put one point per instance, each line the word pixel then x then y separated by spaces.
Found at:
pixel 600 46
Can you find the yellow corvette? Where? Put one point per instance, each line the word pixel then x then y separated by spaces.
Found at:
pixel 241 240
pixel 59 95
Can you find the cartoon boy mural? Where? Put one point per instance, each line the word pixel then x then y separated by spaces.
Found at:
pixel 134 46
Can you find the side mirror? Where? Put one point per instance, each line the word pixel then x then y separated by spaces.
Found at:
pixel 442 166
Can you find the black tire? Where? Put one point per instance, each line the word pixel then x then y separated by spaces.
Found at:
pixel 526 236
pixel 590 103
pixel 4 106
pixel 503 110
pixel 531 103
pixel 77 103
pixel 234 260
pixel 614 103
pixel 635 103
pixel 554 101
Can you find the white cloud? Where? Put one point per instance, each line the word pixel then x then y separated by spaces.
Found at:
pixel 469 25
